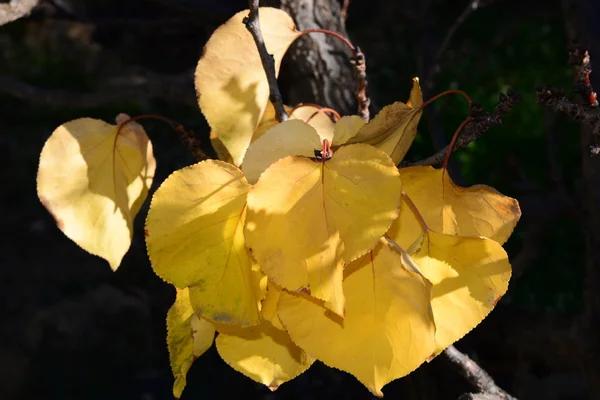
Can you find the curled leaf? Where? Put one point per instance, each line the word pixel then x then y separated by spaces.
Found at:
pixel 387 330
pixel 232 87
pixel 446 208
pixel 94 181
pixel 307 218
pixel 394 128
pixel 195 238
pixel 188 337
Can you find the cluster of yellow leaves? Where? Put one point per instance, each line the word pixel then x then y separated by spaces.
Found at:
pixel 368 268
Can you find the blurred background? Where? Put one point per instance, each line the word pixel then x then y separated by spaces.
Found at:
pixel 70 328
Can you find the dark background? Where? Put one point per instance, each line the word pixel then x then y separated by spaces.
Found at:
pixel 70 328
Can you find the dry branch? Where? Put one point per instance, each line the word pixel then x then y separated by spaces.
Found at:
pixel 253 25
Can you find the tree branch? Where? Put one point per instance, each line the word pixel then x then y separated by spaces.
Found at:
pixel 359 65
pixel 15 10
pixel 476 376
pixel 480 122
pixel 253 25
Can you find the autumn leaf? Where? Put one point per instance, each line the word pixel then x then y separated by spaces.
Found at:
pixel 469 274
pixel 188 337
pixel 446 208
pixel 264 352
pixel 394 128
pixel 195 238
pixel 94 181
pixel 232 87
pixel 387 330
pixel 292 137
pixel 307 218
pixel 346 128
pixel 321 121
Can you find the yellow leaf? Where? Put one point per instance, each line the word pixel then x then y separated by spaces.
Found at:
pixel 469 276
pixel 289 138
pixel 394 128
pixel 188 337
pixel 307 218
pixel 406 230
pixel 346 128
pixel 269 306
pixel 264 353
pixel 269 120
pixel 387 330
pixel 475 211
pixel 195 238
pixel 94 182
pixel 220 149
pixel 230 80
pixel 321 121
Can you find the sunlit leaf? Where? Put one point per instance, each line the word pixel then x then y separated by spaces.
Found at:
pixel 474 211
pixel 195 238
pixel 319 120
pixel 346 128
pixel 307 218
pixel 264 352
pixel 387 330
pixel 188 337
pixel 469 276
pixel 289 138
pixel 394 128
pixel 230 80
pixel 94 182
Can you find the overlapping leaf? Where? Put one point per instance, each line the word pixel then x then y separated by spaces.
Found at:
pixel 321 121
pixel 188 337
pixel 306 218
pixel 195 238
pixel 475 211
pixel 387 330
pixel 394 128
pixel 231 83
pixel 264 352
pixel 94 182
pixel 346 128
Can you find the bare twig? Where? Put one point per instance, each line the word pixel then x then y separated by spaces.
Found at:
pixel 477 376
pixel 253 25
pixel 555 99
pixel 480 122
pixel 360 73
pixel 469 9
pixel 15 10
pixel 345 7
pixel 177 89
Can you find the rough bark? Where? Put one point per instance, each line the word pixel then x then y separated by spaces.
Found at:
pixel 317 68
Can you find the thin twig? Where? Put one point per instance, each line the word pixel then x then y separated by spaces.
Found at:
pixel 477 376
pixel 15 10
pixel 344 11
pixel 480 122
pixel 466 13
pixel 360 73
pixel 253 25
pixel 555 99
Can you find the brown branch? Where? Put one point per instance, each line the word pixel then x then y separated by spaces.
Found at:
pixel 480 122
pixel 344 10
pixel 477 376
pixel 360 73
pixel 15 10
pixel 253 25
pixel 177 89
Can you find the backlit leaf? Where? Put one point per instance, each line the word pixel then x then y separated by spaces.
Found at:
pixel 346 128
pixel 394 128
pixel 387 330
pixel 264 352
pixel 188 337
pixel 289 138
pixel 230 80
pixel 195 238
pixel 321 121
pixel 469 276
pixel 94 182
pixel 307 218
pixel 474 211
